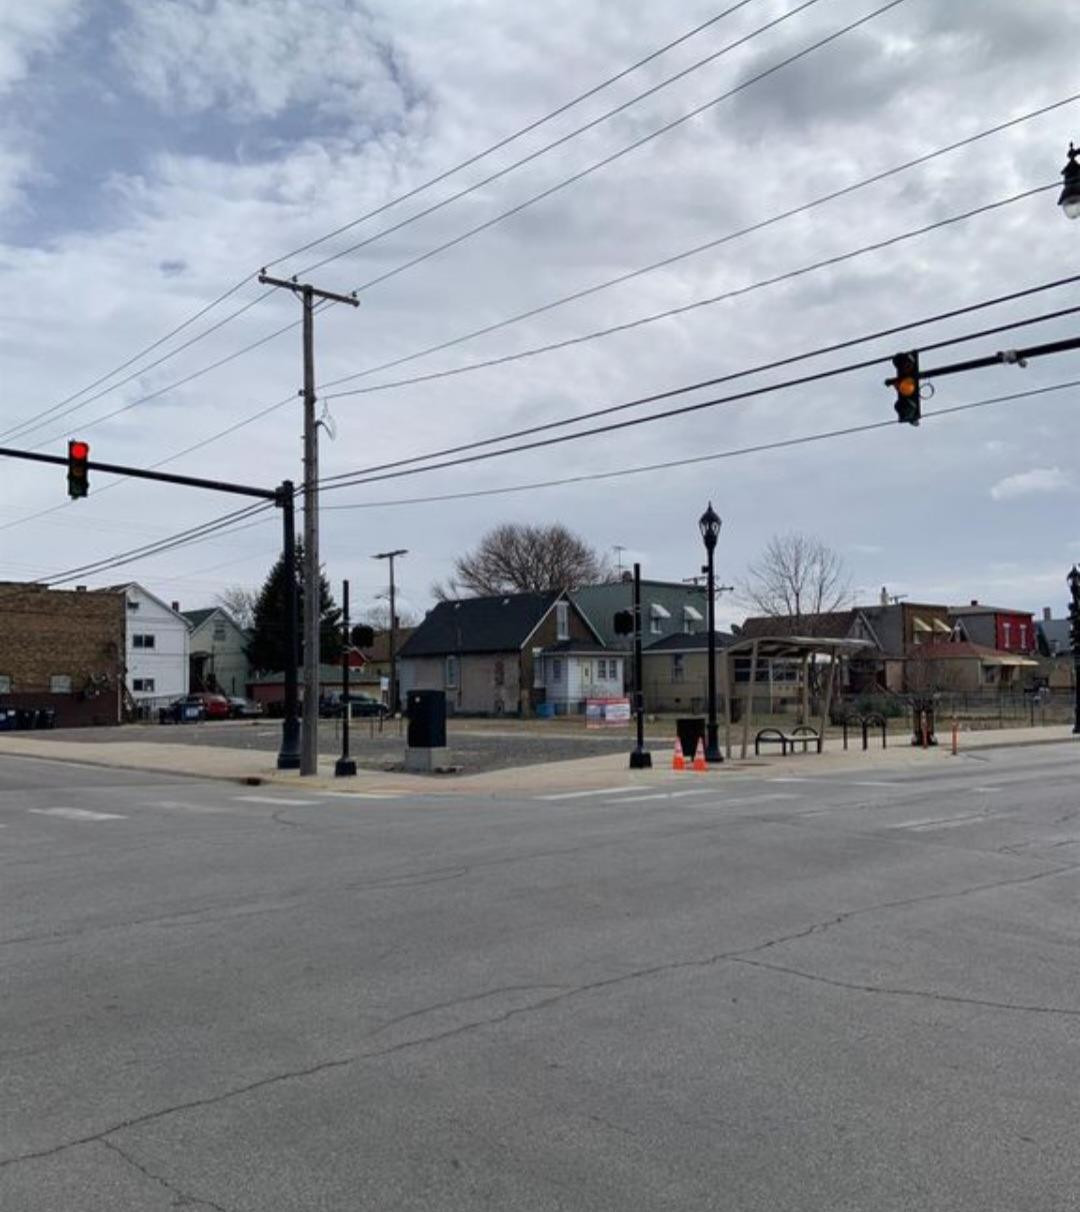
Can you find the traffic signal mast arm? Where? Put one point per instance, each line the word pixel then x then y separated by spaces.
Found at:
pixel 1018 357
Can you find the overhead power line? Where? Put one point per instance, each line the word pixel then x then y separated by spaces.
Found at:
pixel 668 464
pixel 378 210
pixel 664 262
pixel 630 147
pixel 735 292
pixel 757 448
pixel 567 138
pixel 761 368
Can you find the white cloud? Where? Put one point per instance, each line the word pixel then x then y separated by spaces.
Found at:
pixel 258 58
pixel 29 28
pixel 1037 481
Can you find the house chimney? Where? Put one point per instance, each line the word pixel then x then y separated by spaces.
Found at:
pixel 884 596
pixel 176 607
pixel 974 601
pixel 80 588
pixel 1047 616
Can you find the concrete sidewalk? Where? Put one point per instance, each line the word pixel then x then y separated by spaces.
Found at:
pixel 549 778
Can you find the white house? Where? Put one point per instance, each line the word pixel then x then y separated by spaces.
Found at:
pixel 156 646
pixel 573 671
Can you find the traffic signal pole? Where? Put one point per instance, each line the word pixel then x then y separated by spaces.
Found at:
pixel 309 749
pixel 283 497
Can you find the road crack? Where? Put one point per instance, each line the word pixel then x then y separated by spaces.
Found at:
pixel 186 1198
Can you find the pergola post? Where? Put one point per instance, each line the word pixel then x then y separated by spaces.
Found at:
pixel 749 713
pixel 833 657
pixel 805 719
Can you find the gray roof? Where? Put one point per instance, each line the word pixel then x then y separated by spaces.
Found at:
pixel 599 604
pixel 493 624
pixel 1054 637
pixel 197 617
pixel 698 642
pixel 981 608
pixel 574 647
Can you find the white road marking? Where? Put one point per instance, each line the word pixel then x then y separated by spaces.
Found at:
pixel 78 814
pixel 204 809
pixel 576 795
pixel 947 822
pixel 794 780
pixel 719 800
pixel 283 801
pixel 871 784
pixel 973 790
pixel 364 795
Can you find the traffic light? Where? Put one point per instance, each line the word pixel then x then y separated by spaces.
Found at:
pixel 362 636
pixel 908 396
pixel 624 622
pixel 78 474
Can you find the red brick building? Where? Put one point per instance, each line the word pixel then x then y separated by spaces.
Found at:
pixel 64 650
pixel 999 627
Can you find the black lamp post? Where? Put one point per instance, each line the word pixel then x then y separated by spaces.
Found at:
pixel 1070 194
pixel 709 524
pixel 1074 636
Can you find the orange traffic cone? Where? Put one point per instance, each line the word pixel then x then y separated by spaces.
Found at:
pixel 678 761
pixel 699 757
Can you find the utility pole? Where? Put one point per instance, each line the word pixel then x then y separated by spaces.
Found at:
pixel 309 746
pixel 391 556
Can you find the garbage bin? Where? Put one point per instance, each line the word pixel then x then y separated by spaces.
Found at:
pixel 45 717
pixel 24 717
pixel 922 713
pixel 7 719
pixel 427 719
pixel 691 729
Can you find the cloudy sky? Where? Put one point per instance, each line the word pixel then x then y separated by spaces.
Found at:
pixel 154 154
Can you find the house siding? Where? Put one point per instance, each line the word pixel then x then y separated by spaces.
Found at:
pixel 166 663
pixel 225 660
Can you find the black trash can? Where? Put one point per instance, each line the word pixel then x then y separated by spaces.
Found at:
pixel 24 718
pixel 46 717
pixel 923 715
pixel 691 729
pixel 427 719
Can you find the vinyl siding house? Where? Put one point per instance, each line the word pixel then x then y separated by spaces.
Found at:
pixel 156 646
pixel 675 672
pixel 217 652
pixel 494 655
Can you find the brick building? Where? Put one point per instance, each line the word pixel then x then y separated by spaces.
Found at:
pixel 62 649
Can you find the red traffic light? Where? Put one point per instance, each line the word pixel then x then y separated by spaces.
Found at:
pixel 80 451
pixel 78 472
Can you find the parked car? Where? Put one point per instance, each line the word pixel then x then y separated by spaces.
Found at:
pixel 330 706
pixel 244 709
pixel 187 709
pixel 215 706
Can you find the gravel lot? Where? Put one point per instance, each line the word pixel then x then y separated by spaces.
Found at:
pixel 476 745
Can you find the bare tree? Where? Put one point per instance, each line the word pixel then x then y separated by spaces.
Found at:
pixel 378 616
pixel 514 558
pixel 239 601
pixel 796 578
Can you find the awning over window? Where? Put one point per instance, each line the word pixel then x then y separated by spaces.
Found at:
pixel 1002 659
pixel 656 611
pixel 693 614
pixel 942 627
pixel 921 624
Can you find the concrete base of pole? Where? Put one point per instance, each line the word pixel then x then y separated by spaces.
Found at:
pixel 640 759
pixel 426 761
pixel 289 754
pixel 344 767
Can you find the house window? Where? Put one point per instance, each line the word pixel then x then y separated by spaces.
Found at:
pixel 556 669
pixel 5 683
pixel 613 669
pixel 146 685
pixel 451 673
pixel 562 620
pixel 656 626
pixel 219 629
pixel 678 671
pixel 1023 636
pixel 60 683
pixel 1006 631
pixel 142 639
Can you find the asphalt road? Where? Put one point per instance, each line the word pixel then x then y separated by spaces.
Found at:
pixel 845 993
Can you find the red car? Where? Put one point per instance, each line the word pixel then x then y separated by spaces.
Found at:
pixel 216 706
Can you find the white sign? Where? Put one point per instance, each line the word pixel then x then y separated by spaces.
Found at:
pixel 607 713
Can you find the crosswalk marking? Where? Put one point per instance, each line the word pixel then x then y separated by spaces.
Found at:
pixel 78 814
pixel 577 795
pixel 284 801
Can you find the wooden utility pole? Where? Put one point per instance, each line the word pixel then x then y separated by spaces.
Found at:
pixel 391 556
pixel 309 739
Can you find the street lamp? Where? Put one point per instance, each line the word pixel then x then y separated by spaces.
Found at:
pixel 1070 194
pixel 709 525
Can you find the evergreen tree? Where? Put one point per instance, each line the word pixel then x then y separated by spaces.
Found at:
pixel 267 650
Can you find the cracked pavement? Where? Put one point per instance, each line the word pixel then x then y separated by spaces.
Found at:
pixel 816 993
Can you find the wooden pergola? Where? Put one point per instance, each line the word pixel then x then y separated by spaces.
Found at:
pixel 802 649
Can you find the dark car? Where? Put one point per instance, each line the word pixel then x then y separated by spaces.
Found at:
pixel 215 706
pixel 244 709
pixel 331 706
pixel 188 709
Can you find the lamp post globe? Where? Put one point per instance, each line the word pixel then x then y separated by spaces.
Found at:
pixel 1069 201
pixel 709 525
